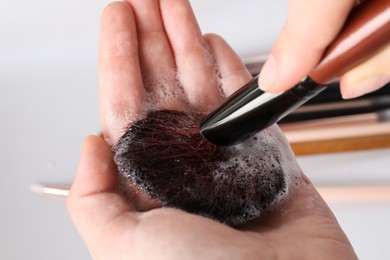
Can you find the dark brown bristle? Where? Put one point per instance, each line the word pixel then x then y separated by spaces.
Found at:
pixel 165 155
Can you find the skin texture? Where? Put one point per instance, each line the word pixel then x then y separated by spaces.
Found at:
pixel 310 28
pixel 141 41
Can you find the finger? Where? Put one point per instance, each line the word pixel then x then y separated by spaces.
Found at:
pixel 156 59
pixel 233 73
pixel 310 27
pixel 194 62
pixel 155 54
pixel 368 76
pixel 121 88
pixel 91 203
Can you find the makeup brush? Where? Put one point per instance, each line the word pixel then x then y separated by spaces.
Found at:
pixel 251 110
pixel 166 157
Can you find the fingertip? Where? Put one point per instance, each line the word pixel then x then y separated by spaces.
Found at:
pixel 280 74
pixel 290 60
pixel 365 86
pixel 112 6
pixel 368 76
pixel 268 74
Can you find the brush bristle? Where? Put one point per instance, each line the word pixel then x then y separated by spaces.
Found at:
pixel 165 155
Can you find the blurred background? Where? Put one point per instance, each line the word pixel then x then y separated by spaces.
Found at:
pixel 49 103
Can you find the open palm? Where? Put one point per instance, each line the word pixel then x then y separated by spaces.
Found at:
pixel 152 54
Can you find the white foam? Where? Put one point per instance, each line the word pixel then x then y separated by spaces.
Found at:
pixel 164 93
pixel 262 157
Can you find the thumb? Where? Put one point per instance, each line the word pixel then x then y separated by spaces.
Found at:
pixel 310 27
pixel 92 203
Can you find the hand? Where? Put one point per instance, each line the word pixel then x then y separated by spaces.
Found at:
pixel 310 27
pixel 142 41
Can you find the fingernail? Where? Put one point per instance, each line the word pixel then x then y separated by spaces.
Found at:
pixel 366 86
pixel 268 74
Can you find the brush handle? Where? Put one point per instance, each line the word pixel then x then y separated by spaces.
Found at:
pixel 251 110
pixel 365 32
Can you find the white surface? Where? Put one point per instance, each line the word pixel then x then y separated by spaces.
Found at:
pixel 249 26
pixel 48 103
